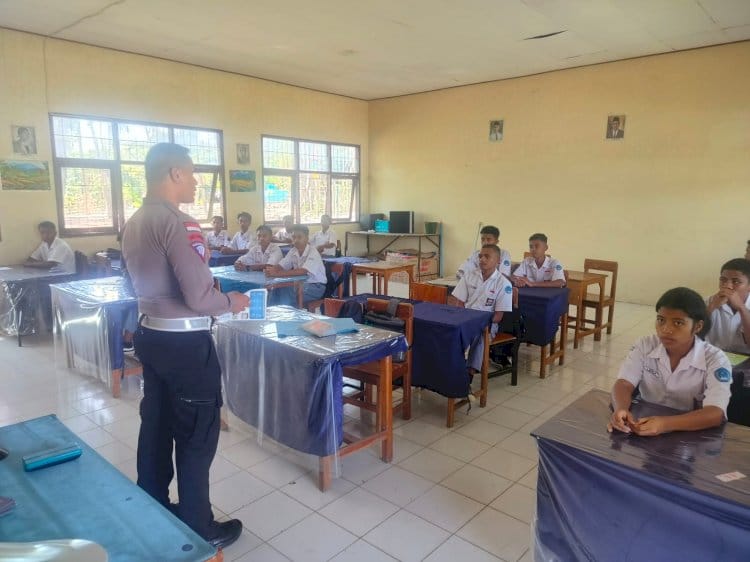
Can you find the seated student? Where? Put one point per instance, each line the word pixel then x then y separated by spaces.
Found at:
pixel 325 240
pixel 730 308
pixel 218 238
pixel 485 289
pixel 243 239
pixel 539 270
pixel 302 259
pixel 284 234
pixel 261 254
pixel 674 368
pixel 52 253
pixel 489 235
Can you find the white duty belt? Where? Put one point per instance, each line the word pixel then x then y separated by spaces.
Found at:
pixel 193 324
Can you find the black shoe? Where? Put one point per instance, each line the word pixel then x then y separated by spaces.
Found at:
pixel 224 534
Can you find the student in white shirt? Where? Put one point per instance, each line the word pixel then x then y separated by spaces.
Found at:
pixel 218 238
pixel 244 238
pixel 730 308
pixel 674 368
pixel 489 235
pixel 284 234
pixel 539 270
pixel 261 254
pixel 53 253
pixel 485 289
pixel 325 240
pixel 302 259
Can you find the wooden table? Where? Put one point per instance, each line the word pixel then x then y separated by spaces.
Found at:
pixel 381 272
pixel 578 283
pixel 233 280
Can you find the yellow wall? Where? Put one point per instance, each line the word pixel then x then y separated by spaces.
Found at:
pixel 40 76
pixel 670 202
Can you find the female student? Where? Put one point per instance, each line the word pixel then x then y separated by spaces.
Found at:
pixel 675 368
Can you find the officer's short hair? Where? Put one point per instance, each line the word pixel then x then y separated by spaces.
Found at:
pixel 491 230
pixel 245 215
pixel 538 236
pixel 301 228
pixel 492 248
pixel 738 264
pixel 264 228
pixel 689 302
pixel 46 224
pixel 161 158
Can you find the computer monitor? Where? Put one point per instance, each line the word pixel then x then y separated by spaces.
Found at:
pixel 402 222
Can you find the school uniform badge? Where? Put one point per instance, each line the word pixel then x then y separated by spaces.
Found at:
pixel 508 289
pixel 722 374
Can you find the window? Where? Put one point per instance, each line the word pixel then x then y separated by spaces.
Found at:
pixel 100 177
pixel 307 179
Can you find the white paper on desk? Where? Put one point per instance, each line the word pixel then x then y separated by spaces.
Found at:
pixel 729 476
pixel 4 267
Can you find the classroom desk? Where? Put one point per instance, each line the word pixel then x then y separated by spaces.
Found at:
pixel 578 282
pixel 290 388
pixel 218 259
pixel 347 262
pixel 23 290
pixel 232 280
pixel 381 272
pixel 619 497
pixel 90 316
pixel 87 498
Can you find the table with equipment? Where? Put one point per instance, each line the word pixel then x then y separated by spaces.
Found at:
pixel 232 280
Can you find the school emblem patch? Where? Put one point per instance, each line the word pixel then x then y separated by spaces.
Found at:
pixel 508 289
pixel 722 375
pixel 558 267
pixel 506 262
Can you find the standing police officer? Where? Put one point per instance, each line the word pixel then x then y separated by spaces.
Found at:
pixel 166 257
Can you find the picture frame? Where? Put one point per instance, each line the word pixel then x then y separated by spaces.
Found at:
pixel 615 127
pixel 496 130
pixel 243 153
pixel 23 138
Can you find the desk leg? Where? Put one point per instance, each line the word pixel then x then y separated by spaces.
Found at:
pixel 300 294
pixel 386 277
pixel 385 404
pixel 485 369
pixel 580 317
pixel 354 282
pixel 325 469
pixel 599 314
pixel 563 337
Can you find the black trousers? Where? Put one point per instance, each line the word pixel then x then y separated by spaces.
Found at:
pixel 181 408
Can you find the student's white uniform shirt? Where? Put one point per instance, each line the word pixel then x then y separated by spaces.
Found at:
pixel 59 252
pixel 551 270
pixel 255 255
pixel 702 378
pixel 726 329
pixel 327 237
pixel 310 260
pixel 283 235
pixel 493 295
pixel 243 240
pixel 218 240
pixel 472 262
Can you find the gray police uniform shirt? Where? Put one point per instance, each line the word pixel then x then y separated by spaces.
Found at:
pixel 493 295
pixel 702 378
pixel 472 262
pixel 726 329
pixel 551 270
pixel 166 257
pixel 309 260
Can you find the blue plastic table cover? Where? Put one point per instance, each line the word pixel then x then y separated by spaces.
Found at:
pixel 91 315
pixel 233 280
pixel 218 259
pixel 619 497
pixel 541 308
pixel 442 333
pixel 86 498
pixel 22 291
pixel 290 388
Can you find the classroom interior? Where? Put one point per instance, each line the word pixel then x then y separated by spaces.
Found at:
pixel 667 202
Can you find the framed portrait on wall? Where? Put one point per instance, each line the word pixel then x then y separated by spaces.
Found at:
pixel 615 127
pixel 243 153
pixel 24 140
pixel 496 130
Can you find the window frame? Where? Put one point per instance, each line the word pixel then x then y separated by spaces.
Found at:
pixel 354 204
pixel 115 167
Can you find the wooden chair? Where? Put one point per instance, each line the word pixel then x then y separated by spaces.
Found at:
pixel 593 300
pixel 427 292
pixel 368 374
pixel 338 270
pixel 510 332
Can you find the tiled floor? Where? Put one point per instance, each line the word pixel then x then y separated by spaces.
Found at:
pixel 463 494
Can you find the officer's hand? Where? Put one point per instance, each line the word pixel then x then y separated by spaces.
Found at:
pixel 238 301
pixel 621 420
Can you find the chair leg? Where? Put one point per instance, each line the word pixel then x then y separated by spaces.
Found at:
pixel 406 397
pixel 610 317
pixel 485 368
pixel 116 381
pixel 514 367
pixel 451 412
pixel 324 472
pixel 543 367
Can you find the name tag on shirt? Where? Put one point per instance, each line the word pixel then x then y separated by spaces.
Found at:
pixel 489 302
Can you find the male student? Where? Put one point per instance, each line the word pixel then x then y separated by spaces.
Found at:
pixel 284 234
pixel 729 308
pixel 324 240
pixel 243 239
pixel 218 238
pixel 302 259
pixel 52 253
pixel 539 270
pixel 484 289
pixel 261 254
pixel 489 235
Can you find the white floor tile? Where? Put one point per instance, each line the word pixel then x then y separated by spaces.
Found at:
pixel 522 444
pixel 96 437
pixel 421 432
pixel 245 453
pixel 264 553
pixel 431 464
pixel 504 463
pixel 497 533
pixel 244 544
pixel 477 483
pixel 277 471
pixel 362 551
pixel 407 537
pixel 361 467
pixel 530 478
pixel 305 490
pixel 271 514
pixel 116 452
pixel 507 417
pixel 237 490
pixel 485 431
pixel 398 486
pixel 359 511
pixel 445 508
pixel 456 549
pixel 517 501
pixel 221 468
pixel 460 447
pixel 314 539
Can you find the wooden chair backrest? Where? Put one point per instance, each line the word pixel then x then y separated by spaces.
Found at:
pixel 599 266
pixel 428 292
pixel 338 269
pixel 405 311
pixel 332 307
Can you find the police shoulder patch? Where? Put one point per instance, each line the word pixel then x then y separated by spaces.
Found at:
pixel 722 374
